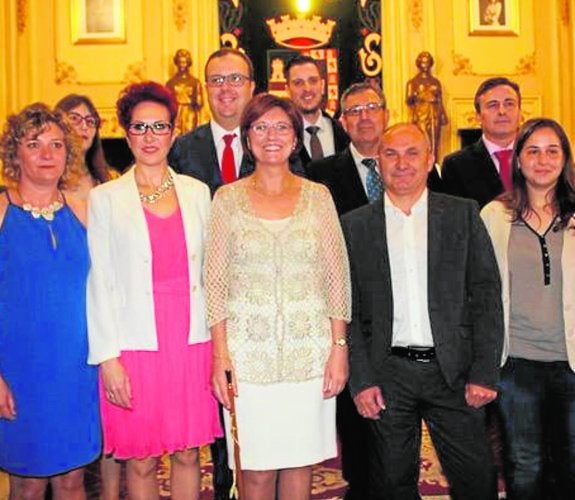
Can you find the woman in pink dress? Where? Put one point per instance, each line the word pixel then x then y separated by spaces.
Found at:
pixel 146 304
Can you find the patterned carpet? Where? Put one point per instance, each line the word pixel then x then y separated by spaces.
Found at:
pixel 327 481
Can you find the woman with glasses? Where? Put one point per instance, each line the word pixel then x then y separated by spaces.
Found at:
pixel 85 121
pixel 92 170
pixel 278 301
pixel 146 304
pixel 532 228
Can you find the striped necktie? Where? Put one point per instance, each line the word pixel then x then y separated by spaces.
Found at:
pixel 374 184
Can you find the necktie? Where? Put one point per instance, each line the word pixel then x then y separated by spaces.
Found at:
pixel 504 157
pixel 228 160
pixel 374 184
pixel 314 144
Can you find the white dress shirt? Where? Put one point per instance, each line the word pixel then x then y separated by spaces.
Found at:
pixel 407 249
pixel 218 132
pixel 324 134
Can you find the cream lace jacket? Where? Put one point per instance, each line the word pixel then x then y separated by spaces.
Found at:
pixel 277 290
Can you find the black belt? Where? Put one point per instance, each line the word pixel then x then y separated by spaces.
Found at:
pixel 421 354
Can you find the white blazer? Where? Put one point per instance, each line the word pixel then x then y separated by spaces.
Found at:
pixel 498 222
pixel 120 301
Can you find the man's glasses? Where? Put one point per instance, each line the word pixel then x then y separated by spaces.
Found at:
pixel 369 108
pixel 76 119
pixel 262 128
pixel 235 80
pixel 157 128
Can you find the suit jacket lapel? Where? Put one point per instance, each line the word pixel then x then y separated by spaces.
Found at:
pixel 189 214
pixel 435 222
pixel 377 230
pixel 209 157
pixel 350 180
pixel 484 158
pixel 434 238
pixel 128 200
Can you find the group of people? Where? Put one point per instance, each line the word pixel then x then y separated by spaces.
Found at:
pixel 324 269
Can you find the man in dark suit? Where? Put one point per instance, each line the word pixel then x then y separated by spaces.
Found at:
pixel 479 171
pixel 346 175
pixel 427 325
pixel 323 136
pixel 207 151
pixel 213 154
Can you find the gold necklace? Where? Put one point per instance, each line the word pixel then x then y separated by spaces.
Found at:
pixel 159 192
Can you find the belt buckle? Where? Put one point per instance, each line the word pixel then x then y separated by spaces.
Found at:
pixel 419 355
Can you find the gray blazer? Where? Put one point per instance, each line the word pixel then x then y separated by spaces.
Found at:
pixel 464 294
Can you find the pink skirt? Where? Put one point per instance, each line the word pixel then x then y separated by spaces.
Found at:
pixel 173 407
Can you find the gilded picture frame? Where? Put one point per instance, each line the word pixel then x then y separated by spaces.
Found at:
pixel 97 21
pixel 494 17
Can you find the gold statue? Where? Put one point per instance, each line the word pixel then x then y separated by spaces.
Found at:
pixel 424 98
pixel 188 91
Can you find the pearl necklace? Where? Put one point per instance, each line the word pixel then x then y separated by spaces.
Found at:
pixel 46 213
pixel 159 192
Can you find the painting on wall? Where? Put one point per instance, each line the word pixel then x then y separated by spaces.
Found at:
pixel 494 17
pixel 97 21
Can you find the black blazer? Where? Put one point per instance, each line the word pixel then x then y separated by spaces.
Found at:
pixel 340 140
pixel 339 173
pixel 471 173
pixel 464 294
pixel 195 154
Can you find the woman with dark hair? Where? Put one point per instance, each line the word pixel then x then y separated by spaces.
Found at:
pixel 85 121
pixel 533 232
pixel 146 305
pixel 49 419
pixel 92 169
pixel 278 301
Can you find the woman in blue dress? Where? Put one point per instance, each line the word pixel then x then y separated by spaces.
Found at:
pixel 49 421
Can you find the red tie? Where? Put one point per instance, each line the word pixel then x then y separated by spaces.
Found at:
pixel 504 157
pixel 228 161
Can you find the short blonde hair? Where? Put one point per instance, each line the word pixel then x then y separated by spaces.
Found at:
pixel 34 119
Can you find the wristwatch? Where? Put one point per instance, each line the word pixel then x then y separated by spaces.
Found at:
pixel 340 341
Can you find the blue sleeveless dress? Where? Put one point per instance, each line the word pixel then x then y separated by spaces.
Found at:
pixel 44 345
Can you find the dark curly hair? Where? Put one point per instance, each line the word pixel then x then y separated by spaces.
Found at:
pixel 136 93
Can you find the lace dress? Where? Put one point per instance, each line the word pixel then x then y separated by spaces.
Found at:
pixel 277 284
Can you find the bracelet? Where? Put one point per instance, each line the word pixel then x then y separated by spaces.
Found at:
pixel 340 342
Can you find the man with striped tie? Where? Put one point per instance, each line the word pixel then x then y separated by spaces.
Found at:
pixel 353 179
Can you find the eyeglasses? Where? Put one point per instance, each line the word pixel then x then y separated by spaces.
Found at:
pixel 76 119
pixel 369 108
pixel 262 128
pixel 157 128
pixel 235 80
